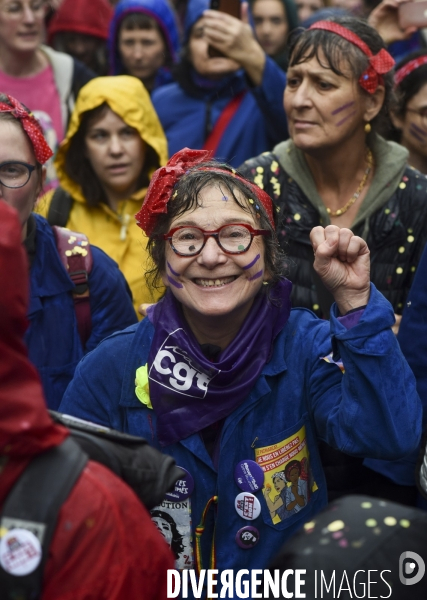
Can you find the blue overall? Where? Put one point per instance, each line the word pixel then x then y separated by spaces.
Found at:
pixel 372 410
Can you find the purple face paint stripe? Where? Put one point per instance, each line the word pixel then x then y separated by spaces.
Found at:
pixel 175 283
pixel 343 107
pixel 416 136
pixel 172 271
pixel 418 129
pixel 345 118
pixel 257 275
pixel 251 264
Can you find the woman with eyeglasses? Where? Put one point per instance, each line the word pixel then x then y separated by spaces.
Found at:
pixel 410 115
pixel 55 344
pixel 223 376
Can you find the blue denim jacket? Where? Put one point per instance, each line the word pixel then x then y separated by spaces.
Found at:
pixel 52 338
pixel 371 410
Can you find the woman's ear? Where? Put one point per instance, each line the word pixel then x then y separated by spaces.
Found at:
pixel 373 103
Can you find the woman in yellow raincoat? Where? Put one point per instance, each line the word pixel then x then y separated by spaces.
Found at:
pixel 113 145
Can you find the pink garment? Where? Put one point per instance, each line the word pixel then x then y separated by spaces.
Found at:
pixel 39 93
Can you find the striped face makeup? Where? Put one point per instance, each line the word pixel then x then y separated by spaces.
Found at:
pixel 252 263
pixel 345 112
pixel 257 275
pixel 171 280
pixel 418 133
pixel 413 127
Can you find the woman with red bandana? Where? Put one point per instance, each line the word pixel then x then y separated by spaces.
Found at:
pixel 223 376
pixel 337 170
pixel 59 333
pixel 410 115
pixel 96 549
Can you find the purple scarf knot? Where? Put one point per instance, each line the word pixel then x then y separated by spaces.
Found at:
pixel 188 392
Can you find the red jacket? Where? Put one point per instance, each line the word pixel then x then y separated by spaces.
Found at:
pixel 105 545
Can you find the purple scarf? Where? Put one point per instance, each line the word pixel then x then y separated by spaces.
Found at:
pixel 188 392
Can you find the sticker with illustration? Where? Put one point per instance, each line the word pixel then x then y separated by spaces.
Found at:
pixel 288 482
pixel 173 520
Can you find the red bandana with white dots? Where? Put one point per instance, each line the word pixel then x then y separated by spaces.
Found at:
pixel 32 128
pixel 379 63
pixel 164 179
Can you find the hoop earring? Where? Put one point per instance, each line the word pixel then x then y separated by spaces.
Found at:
pixel 368 128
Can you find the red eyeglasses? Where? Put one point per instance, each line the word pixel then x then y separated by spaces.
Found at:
pixel 232 239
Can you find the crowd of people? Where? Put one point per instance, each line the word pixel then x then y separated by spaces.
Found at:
pixel 212 237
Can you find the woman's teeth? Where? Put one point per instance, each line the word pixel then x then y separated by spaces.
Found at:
pixel 214 282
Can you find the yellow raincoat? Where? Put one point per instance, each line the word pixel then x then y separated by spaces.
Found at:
pixel 115 232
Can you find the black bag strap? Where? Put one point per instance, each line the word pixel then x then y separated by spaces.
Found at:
pixel 34 504
pixel 60 208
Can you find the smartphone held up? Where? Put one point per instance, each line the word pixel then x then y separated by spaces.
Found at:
pixel 413 14
pixel 230 7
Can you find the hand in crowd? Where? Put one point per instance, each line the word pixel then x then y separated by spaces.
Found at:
pixel 385 19
pixel 342 262
pixel 235 39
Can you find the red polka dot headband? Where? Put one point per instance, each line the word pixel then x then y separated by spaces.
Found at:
pixel 162 185
pixel 31 127
pixel 410 66
pixel 379 63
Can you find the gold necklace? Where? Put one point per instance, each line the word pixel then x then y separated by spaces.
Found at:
pixel 344 209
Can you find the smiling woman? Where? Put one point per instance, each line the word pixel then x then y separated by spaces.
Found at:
pixel 234 387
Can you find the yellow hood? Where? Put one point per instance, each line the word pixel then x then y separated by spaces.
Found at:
pixel 128 98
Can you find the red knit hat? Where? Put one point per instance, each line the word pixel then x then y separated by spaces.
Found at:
pixel 91 17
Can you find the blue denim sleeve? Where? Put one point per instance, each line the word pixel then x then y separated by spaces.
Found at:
pixel 373 409
pixel 110 299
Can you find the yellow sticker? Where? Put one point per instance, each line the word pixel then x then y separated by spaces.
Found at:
pixel 288 482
